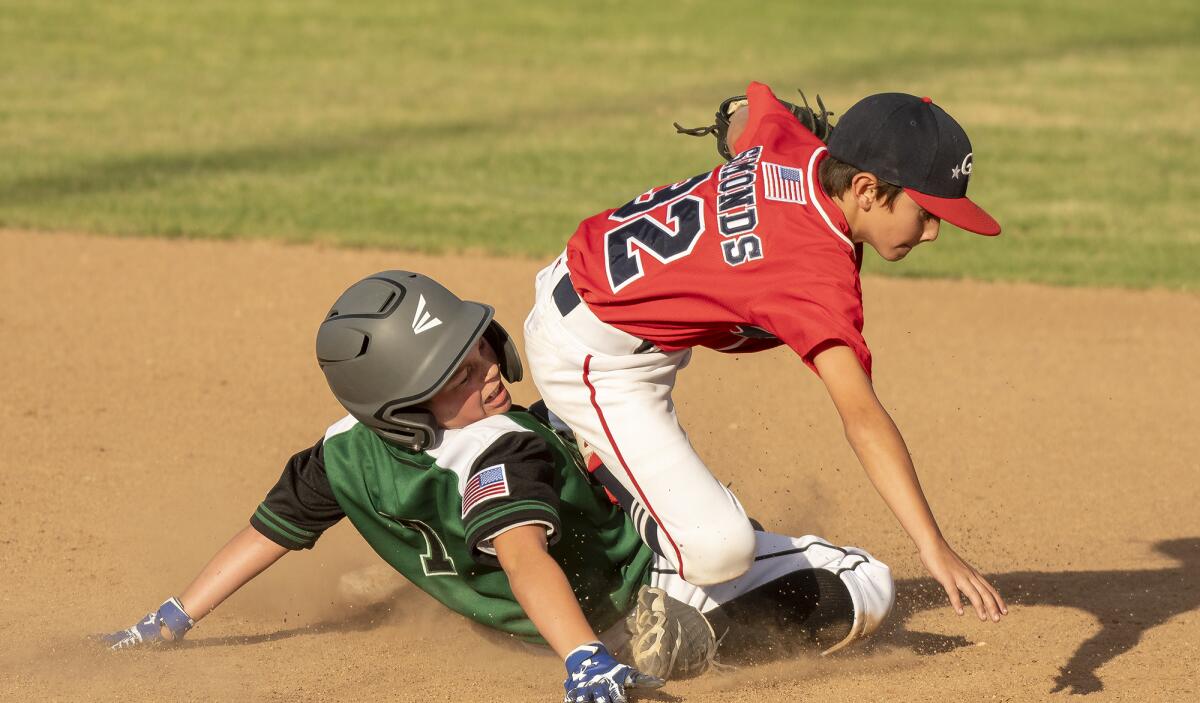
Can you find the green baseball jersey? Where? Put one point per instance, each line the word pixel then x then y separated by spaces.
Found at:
pixel 433 515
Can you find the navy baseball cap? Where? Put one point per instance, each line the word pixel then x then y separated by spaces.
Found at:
pixel 911 142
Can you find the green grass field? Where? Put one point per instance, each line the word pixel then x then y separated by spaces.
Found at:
pixel 441 126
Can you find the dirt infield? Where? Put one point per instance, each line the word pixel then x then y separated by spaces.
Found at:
pixel 151 391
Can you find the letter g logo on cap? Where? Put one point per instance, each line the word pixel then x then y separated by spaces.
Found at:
pixel 965 167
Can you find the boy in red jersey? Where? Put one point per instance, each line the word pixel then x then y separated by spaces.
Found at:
pixel 762 251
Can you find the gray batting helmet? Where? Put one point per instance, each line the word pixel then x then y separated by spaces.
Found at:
pixel 392 340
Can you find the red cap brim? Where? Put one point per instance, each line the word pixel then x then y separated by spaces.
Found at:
pixel 960 212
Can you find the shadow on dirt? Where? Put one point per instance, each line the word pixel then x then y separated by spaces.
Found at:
pixel 1125 603
pixel 365 618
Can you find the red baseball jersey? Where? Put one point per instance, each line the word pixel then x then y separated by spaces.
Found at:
pixel 742 258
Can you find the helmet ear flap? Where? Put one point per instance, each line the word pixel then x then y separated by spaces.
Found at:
pixel 506 351
pixel 412 428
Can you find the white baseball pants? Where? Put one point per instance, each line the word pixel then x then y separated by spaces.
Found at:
pixel 614 391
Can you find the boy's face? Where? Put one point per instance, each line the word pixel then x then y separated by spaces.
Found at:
pixel 475 391
pixel 896 231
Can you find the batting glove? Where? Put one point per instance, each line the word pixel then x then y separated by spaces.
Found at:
pixel 593 676
pixel 149 631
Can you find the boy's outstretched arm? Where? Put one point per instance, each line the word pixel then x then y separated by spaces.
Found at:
pixel 881 450
pixel 545 594
pixel 242 558
pixel 542 588
pixel 245 556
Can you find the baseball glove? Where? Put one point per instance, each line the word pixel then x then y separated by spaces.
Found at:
pixel 815 121
pixel 669 639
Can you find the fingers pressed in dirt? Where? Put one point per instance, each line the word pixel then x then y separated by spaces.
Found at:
pixel 955 599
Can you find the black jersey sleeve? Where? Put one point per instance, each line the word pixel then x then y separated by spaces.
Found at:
pixel 301 505
pixel 509 485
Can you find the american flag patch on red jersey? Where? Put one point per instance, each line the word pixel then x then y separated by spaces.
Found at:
pixel 783 183
pixel 489 483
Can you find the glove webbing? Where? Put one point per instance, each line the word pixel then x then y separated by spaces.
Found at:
pixel 814 121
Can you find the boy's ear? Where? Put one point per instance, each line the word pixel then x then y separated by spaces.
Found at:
pixel 863 187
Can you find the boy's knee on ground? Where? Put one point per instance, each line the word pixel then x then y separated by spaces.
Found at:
pixel 720 552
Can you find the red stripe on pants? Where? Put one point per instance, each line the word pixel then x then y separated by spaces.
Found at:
pixel 587 364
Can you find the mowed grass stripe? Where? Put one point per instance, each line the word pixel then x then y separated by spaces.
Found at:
pixel 446 126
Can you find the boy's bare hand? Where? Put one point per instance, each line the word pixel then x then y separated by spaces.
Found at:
pixel 956 575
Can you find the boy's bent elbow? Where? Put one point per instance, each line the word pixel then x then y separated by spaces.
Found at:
pixel 856 430
pixel 866 425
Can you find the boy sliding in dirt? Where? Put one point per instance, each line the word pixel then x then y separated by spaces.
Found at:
pixel 486 508
pixel 759 252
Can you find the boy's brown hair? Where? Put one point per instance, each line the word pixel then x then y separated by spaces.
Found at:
pixel 835 177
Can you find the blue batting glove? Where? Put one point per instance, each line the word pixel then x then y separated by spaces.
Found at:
pixel 149 631
pixel 593 676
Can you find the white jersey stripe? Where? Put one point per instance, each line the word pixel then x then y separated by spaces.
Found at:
pixel 733 346
pixel 816 201
pixel 457 450
pixel 344 425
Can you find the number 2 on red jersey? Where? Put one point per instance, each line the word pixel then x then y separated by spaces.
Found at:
pixel 640 232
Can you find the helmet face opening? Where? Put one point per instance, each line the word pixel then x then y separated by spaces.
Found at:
pixel 392 340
